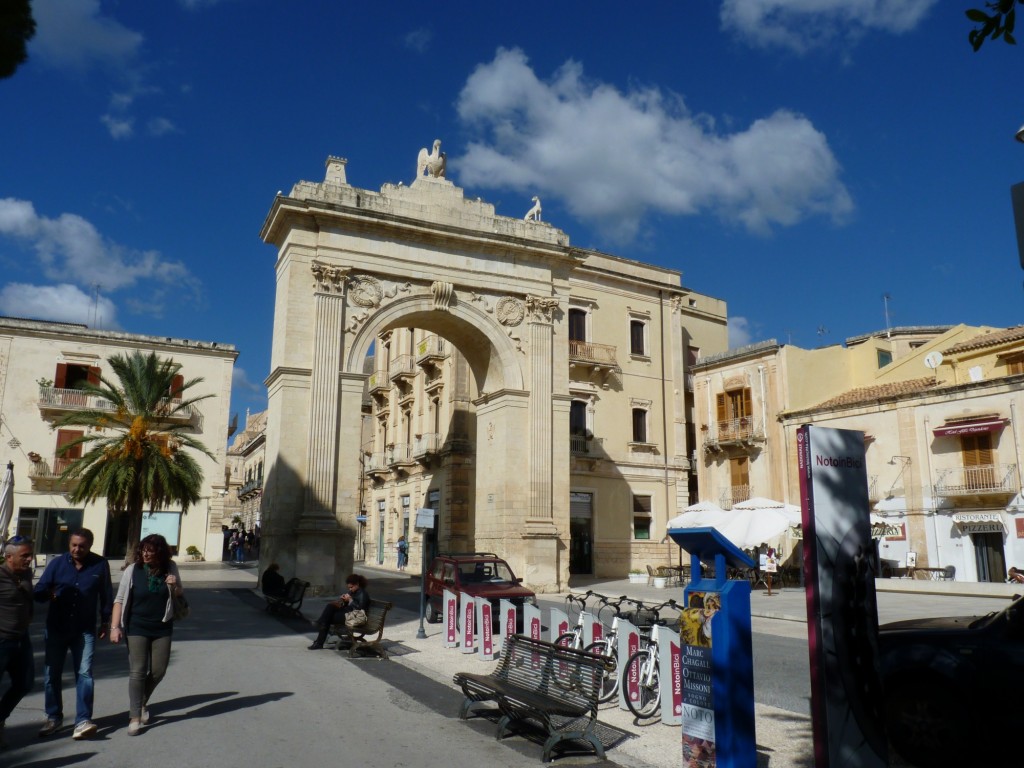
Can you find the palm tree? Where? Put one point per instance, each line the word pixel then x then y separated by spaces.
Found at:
pixel 133 454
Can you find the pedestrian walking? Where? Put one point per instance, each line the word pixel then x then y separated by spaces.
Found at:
pixel 237 547
pixel 15 616
pixel 403 553
pixel 77 587
pixel 144 615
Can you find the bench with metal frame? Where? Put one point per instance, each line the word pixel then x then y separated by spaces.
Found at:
pixel 542 683
pixel 366 636
pixel 290 600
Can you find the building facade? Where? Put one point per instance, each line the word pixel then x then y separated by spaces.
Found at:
pixel 938 407
pixel 42 365
pixel 531 393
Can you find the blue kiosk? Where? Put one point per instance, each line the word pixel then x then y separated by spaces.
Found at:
pixel 716 655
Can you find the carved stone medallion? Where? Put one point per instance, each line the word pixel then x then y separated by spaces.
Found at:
pixel 365 291
pixel 510 311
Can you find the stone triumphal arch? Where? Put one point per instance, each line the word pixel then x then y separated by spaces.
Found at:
pixel 355 266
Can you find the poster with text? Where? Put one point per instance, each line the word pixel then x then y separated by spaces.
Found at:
pixel 698 711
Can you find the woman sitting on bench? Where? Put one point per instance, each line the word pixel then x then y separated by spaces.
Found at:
pixel 273 581
pixel 334 612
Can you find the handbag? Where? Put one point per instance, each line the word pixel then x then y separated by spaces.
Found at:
pixel 180 607
pixel 355 617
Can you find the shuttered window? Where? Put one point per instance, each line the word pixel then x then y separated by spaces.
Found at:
pixel 978 460
pixel 637 337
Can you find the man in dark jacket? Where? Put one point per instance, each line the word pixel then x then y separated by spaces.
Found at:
pixel 77 587
pixel 15 616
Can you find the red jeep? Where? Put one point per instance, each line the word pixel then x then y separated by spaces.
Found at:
pixel 479 574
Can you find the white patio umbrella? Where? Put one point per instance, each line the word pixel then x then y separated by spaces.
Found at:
pixel 6 500
pixel 699 515
pixel 748 528
pixel 791 511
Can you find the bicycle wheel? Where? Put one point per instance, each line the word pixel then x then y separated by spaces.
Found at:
pixel 566 640
pixel 610 683
pixel 643 667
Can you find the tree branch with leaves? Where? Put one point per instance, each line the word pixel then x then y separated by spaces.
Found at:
pixel 996 21
pixel 136 452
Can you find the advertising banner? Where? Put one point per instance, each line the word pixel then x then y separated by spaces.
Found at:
pixel 697 714
pixel 671 676
pixel 629 643
pixel 558 624
pixel 467 613
pixel 485 622
pixel 451 619
pixel 842 613
pixel 506 622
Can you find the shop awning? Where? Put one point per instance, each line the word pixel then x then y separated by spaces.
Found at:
pixel 970 427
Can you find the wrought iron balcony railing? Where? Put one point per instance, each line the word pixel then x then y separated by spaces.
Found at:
pixel 984 479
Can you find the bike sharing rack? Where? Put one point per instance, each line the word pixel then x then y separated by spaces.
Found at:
pixel 469 624
pixel 716 660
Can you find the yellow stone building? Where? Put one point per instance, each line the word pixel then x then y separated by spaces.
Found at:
pixel 939 410
pixel 430 353
pixel 42 365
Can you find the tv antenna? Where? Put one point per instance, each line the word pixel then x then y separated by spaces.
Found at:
pixel 95 302
pixel 885 300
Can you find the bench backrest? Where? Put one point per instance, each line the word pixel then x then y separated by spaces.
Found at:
pixel 567 675
pixel 294 590
pixel 375 616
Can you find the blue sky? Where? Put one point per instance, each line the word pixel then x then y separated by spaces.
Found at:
pixel 796 158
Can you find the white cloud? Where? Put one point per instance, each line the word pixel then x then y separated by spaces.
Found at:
pixel 118 127
pixel 240 381
pixel 800 25
pixel 159 126
pixel 60 303
pixel 612 157
pixel 419 39
pixel 740 333
pixel 70 249
pixel 74 34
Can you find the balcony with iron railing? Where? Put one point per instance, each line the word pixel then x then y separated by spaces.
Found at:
pixel 250 488
pixel 431 351
pixel 580 444
pixel 734 495
pixel 983 480
pixel 743 431
pixel 402 369
pixel 378 385
pixel 55 401
pixel 377 463
pixel 425 445
pixel 49 469
pixel 400 456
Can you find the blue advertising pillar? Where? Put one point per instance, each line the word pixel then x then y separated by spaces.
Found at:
pixel 716 655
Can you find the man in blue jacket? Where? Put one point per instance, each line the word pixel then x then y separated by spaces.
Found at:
pixel 77 587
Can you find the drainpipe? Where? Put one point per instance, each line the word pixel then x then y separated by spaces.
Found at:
pixel 664 408
pixel 931 497
pixel 764 421
pixel 1016 444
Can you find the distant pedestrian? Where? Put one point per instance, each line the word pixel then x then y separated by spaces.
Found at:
pixel 15 616
pixel 237 547
pixel 403 553
pixel 144 615
pixel 77 586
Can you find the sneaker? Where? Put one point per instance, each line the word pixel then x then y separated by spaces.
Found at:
pixel 51 726
pixel 134 727
pixel 84 729
pixel 145 715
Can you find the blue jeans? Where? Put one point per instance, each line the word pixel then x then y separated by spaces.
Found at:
pixel 16 660
pixel 81 645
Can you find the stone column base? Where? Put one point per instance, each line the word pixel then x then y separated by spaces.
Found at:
pixel 318 559
pixel 540 553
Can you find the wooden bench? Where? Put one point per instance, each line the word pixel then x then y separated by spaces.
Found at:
pixel 289 601
pixel 364 637
pixel 536 682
